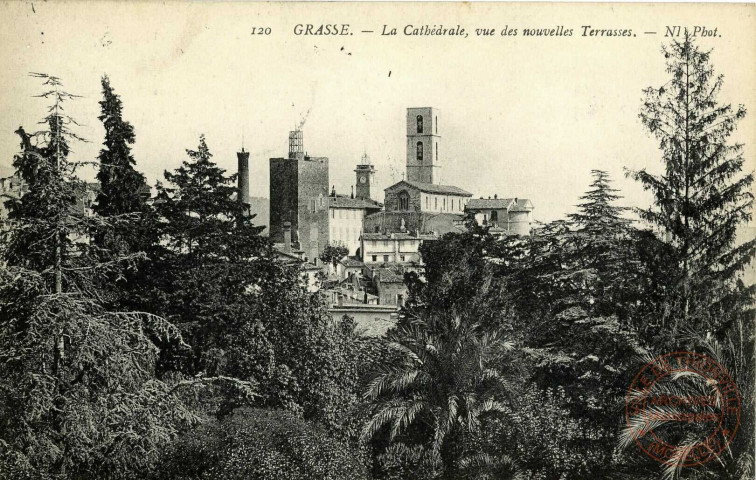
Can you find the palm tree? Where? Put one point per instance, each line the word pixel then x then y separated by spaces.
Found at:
pixel 441 384
pixel 734 351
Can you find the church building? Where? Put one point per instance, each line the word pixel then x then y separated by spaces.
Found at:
pixel 421 203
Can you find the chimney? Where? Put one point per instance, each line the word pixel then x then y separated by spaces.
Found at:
pixel 243 179
pixel 296 145
pixel 352 196
pixel 287 237
pixel 496 195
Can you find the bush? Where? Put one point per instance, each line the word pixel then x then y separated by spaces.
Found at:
pixel 262 444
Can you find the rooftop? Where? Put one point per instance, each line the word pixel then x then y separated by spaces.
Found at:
pixel 388 276
pixel 511 204
pixel 433 188
pixel 397 235
pixel 343 201
pixel 351 262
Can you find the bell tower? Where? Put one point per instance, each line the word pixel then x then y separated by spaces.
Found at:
pixel 365 172
pixel 423 164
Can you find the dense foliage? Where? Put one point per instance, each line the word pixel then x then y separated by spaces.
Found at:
pixel 79 397
pixel 254 443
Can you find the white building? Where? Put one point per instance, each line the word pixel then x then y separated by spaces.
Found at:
pixel 345 220
pixel 504 216
pixel 394 248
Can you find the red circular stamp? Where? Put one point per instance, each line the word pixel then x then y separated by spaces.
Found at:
pixel 682 408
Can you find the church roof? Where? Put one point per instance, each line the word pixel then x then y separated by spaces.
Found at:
pixel 511 204
pixel 433 188
pixel 353 203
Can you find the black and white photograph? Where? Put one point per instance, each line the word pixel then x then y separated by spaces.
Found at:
pixel 377 240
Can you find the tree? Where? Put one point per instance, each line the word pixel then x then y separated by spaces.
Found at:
pixel 203 217
pixel 246 314
pixel 439 389
pixel 123 191
pixel 734 352
pixel 458 275
pixel 702 196
pixel 333 253
pixel 602 244
pixel 199 269
pixel 78 395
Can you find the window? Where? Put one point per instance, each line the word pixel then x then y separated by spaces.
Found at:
pixel 494 215
pixel 401 257
pixel 485 219
pixel 385 258
pixel 403 201
pixel 437 124
pixel 385 243
pixel 419 124
pixel 427 202
pixel 436 152
pixel 375 258
pixel 435 203
pixel 444 203
pixel 420 151
pixel 333 213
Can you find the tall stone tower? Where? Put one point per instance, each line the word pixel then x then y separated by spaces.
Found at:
pixel 423 164
pixel 299 195
pixel 365 172
pixel 243 177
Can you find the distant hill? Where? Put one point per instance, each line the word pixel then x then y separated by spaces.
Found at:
pixel 260 207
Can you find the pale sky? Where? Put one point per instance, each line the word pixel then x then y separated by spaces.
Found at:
pixel 520 117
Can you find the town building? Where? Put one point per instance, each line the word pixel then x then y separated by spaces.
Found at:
pixel 390 287
pixel 10 188
pixel 345 219
pixel 503 216
pixel 387 248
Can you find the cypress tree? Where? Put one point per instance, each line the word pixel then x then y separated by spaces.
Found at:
pixel 123 190
pixel 703 195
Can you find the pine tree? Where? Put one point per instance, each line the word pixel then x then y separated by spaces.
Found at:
pixel 597 216
pixel 123 190
pixel 600 242
pixel 702 196
pixel 202 214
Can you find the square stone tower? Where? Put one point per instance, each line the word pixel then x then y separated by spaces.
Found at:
pixel 423 163
pixel 298 194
